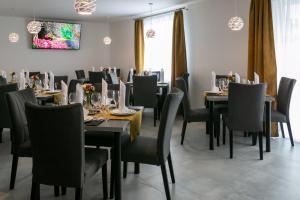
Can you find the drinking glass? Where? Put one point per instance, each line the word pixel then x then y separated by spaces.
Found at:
pixel 72 98
pixel 96 99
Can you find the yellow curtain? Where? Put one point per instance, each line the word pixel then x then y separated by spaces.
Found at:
pixel 179 64
pixel 139 45
pixel 261 48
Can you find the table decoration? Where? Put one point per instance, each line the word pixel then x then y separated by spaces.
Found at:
pixel 88 90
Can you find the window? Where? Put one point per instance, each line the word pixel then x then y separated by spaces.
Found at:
pixel 158 50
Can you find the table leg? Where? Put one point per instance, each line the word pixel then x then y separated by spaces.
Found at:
pixel 117 145
pixel 268 126
pixel 211 125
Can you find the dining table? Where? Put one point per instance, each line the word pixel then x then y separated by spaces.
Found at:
pixel 214 98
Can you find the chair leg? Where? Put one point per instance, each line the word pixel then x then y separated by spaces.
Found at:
pixel 136 168
pixel 207 127
pixel 112 180
pixel 224 132
pixel 63 191
pixel 13 172
pixel 155 116
pixel 217 132
pixel 183 131
pixel 254 139
pixel 56 190
pixel 35 191
pixel 124 169
pixel 260 145
pixel 290 133
pixel 165 179
pixel 282 129
pixel 171 168
pixel 104 181
pixel 1 130
pixel 231 143
pixel 78 194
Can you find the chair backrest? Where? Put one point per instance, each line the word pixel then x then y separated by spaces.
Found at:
pixel 284 96
pixel 5 115
pixel 80 74
pixel 96 77
pixel 185 76
pixel 98 87
pixel 2 80
pixel 128 76
pixel 246 107
pixel 72 85
pixel 167 119
pixel 157 73
pixel 127 97
pixel 181 84
pixel 118 72
pixel 112 78
pixel 16 105
pixel 58 79
pixel 57 140
pixel 144 91
pixel 33 73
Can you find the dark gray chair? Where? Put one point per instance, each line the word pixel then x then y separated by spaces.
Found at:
pixel 158 74
pixel 72 85
pixel 128 76
pixel 58 79
pixel 155 151
pixel 189 114
pixel 145 93
pixel 69 163
pixel 96 77
pixel 5 116
pixel 2 80
pixel 21 146
pixel 80 74
pixel 282 113
pixel 245 111
pixel 112 78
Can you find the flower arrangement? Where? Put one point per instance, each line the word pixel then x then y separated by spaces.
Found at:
pixel 35 77
pixel 88 89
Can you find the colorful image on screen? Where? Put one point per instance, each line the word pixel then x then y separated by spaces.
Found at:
pixel 55 35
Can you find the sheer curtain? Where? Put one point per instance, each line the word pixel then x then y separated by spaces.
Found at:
pixel 286 20
pixel 158 50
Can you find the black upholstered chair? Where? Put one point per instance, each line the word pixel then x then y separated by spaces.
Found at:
pixel 21 146
pixel 189 114
pixel 128 76
pixel 112 78
pixel 245 111
pixel 2 80
pixel 185 76
pixel 80 74
pixel 282 113
pixel 158 74
pixel 155 151
pixel 72 85
pixel 69 163
pixel 96 77
pixel 145 93
pixel 5 116
pixel 58 79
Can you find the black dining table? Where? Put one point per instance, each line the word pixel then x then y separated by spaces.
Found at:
pixel 215 98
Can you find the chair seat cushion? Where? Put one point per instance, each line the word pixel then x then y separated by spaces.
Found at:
pixel 24 150
pixel 277 116
pixel 96 138
pixel 198 115
pixel 142 149
pixel 94 160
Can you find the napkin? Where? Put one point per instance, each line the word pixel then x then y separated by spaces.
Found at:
pixel 122 106
pixel 51 84
pixel 64 92
pixel 27 77
pixel 213 82
pixel 46 81
pixel 131 75
pixel 22 80
pixel 256 78
pixel 101 69
pixel 237 78
pixel 115 70
pixel 109 69
pixel 93 69
pixel 3 74
pixel 230 73
pixel 104 91
pixel 79 94
pixel 162 75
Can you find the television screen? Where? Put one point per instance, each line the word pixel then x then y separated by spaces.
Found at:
pixel 56 35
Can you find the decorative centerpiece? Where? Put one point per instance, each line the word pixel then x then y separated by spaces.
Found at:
pixel 88 90
pixel 34 79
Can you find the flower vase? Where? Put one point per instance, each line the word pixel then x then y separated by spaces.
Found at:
pixel 88 102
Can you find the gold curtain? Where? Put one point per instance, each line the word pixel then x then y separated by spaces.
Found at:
pixel 261 47
pixel 139 45
pixel 179 64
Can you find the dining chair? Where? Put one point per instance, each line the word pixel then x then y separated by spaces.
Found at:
pixel 189 114
pixel 58 79
pixel 80 74
pixel 112 78
pixel 2 80
pixel 186 76
pixel 128 76
pixel 155 151
pixel 5 115
pixel 145 93
pixel 73 83
pixel 158 74
pixel 69 164
pixel 282 113
pixel 96 77
pixel 34 73
pixel 245 111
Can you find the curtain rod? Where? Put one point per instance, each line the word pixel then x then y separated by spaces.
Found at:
pixel 161 13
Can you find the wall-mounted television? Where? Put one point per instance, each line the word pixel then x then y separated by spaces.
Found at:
pixel 57 35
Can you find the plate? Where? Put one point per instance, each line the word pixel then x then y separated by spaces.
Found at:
pixel 52 92
pixel 126 112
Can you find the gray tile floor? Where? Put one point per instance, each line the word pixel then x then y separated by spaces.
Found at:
pixel 200 173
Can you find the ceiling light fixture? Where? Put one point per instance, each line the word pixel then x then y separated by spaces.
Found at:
pixel 236 23
pixel 85 7
pixel 34 27
pixel 13 37
pixel 107 39
pixel 150 33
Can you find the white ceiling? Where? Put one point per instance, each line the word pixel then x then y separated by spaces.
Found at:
pixel 63 9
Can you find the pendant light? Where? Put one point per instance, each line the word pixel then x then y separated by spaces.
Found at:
pixel 13 37
pixel 85 7
pixel 34 27
pixel 107 39
pixel 150 33
pixel 236 23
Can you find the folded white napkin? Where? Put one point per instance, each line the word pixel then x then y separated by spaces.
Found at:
pixel 64 92
pixel 27 77
pixel 256 78
pixel 213 87
pixel 104 91
pixel 46 81
pixel 237 78
pixel 115 70
pixel 93 69
pixel 79 94
pixel 101 69
pixel 109 69
pixel 51 84
pixel 122 106
pixel 3 74
pixel 22 80
pixel 162 75
pixel 131 75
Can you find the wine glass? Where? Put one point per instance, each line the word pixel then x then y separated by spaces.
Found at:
pixel 72 98
pixel 96 99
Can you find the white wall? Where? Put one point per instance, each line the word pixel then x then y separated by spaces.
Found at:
pixel 210 45
pixel 15 56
